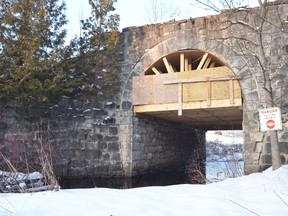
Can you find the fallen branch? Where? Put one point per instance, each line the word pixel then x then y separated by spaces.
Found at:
pixel 7 210
pixel 281 199
pixel 244 207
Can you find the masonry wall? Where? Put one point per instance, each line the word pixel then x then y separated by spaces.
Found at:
pixel 162 146
pixel 80 137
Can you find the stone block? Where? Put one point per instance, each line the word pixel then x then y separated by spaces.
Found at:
pixel 106 157
pixel 90 154
pixel 116 156
pixel 91 145
pixel 113 130
pixel 111 138
pixel 102 146
pixel 284 159
pixel 113 146
pixel 102 170
pixel 258 147
pixel 283 147
pixel 251 168
pixel 126 105
pixel 266 159
pixel 256 157
pixel 284 136
pixel 267 148
pixel 99 112
pixel 96 137
pixel 3 125
pixel 258 137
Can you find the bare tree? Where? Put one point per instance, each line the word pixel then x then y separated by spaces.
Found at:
pixel 160 10
pixel 219 5
pixel 254 27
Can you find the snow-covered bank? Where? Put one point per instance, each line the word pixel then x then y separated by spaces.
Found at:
pixel 257 194
pixel 235 137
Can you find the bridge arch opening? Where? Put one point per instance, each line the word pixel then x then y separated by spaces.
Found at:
pixel 175 101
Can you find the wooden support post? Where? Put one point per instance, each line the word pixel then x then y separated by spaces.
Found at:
pixel 168 65
pixel 207 63
pixel 180 99
pixel 231 91
pixel 182 62
pixel 202 61
pixel 190 65
pixel 155 70
pixel 212 64
pixel 186 64
pixel 208 92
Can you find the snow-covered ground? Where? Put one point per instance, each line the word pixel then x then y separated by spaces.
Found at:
pixel 256 194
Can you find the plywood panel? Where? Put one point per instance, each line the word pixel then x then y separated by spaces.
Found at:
pixel 143 90
pixel 195 92
pixel 199 91
pixel 164 93
pixel 152 90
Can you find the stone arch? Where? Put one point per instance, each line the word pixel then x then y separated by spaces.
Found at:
pixel 237 63
pixel 230 58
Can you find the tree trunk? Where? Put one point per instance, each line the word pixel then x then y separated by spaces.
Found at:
pixel 275 152
pixel 276 158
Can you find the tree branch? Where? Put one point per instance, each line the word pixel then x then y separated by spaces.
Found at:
pixel 243 23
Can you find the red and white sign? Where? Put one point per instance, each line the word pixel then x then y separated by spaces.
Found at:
pixel 270 119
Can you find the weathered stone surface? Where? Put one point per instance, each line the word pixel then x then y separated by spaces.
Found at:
pixel 104 138
pixel 266 159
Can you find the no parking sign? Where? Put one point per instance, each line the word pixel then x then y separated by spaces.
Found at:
pixel 270 119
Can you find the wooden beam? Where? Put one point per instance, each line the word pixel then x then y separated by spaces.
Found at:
pixel 186 64
pixel 212 64
pixel 208 92
pixel 182 62
pixel 202 61
pixel 168 65
pixel 202 79
pixel 190 65
pixel 231 91
pixel 180 99
pixel 207 63
pixel 187 105
pixel 156 71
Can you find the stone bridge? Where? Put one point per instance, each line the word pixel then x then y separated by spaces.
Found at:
pixel 162 48
pixel 178 80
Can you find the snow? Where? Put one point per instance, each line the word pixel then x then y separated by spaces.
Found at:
pixel 256 194
pixel 87 110
pixel 220 170
pixel 17 182
pixel 109 103
pixel 20 176
pixel 226 140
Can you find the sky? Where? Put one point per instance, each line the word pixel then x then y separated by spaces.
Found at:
pixel 132 12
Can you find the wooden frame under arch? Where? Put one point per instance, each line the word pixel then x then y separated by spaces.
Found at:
pixel 193 87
